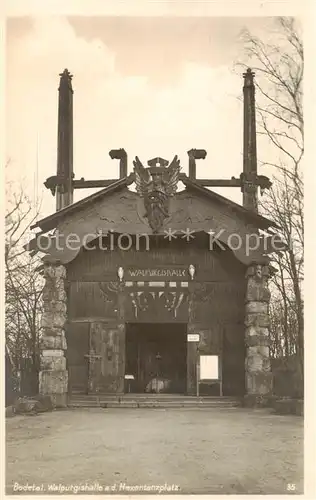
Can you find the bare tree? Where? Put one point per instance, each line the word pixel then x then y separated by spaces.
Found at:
pixel 279 67
pixel 23 288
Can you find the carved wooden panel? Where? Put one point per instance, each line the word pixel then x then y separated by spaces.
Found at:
pixel 107 358
pixel 156 305
pixel 77 335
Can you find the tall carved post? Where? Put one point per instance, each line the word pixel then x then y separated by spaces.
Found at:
pixel 53 377
pixel 258 368
pixel 249 175
pixel 64 189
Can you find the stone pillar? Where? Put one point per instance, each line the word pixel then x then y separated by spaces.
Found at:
pixel 257 365
pixel 53 377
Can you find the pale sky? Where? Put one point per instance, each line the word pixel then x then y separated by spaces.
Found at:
pixel 154 86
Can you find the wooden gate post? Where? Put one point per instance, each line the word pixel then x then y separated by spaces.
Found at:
pixel 192 353
pixel 121 332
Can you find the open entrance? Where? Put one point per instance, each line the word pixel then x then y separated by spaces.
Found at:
pixel 156 358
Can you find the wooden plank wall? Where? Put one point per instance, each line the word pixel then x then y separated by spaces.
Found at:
pixel 218 312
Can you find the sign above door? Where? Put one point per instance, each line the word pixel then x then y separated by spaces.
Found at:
pixel 157 273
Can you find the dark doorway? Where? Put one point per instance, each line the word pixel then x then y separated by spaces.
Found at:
pixel 156 357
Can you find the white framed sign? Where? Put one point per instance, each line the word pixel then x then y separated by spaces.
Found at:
pixel 193 337
pixel 209 367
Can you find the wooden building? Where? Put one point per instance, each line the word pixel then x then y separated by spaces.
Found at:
pixel 132 276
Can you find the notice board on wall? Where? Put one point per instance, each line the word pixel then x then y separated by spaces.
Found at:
pixel 209 367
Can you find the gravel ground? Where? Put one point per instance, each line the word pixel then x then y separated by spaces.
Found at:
pixel 198 451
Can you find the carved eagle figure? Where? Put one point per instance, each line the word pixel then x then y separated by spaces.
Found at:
pixel 169 178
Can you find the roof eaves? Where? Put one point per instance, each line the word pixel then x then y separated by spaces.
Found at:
pixel 50 221
pixel 259 219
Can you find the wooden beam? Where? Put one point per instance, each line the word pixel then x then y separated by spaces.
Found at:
pixel 219 182
pixel 82 184
pixel 261 181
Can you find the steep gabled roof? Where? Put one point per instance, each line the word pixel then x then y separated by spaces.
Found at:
pixel 51 222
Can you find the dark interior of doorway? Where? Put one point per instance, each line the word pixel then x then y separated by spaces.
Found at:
pixel 156 357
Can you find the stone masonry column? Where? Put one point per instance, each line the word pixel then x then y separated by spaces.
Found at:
pixel 257 364
pixel 53 377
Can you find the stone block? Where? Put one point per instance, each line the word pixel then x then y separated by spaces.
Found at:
pixel 52 352
pixel 257 319
pixel 53 382
pixel 56 342
pixel 257 307
pixel 256 335
pixel 53 292
pixel 255 401
pixel 53 363
pixel 55 307
pixel 60 272
pixel 289 406
pixel 252 271
pixel 60 400
pixel 46 402
pixel 25 405
pixel 257 292
pixel 252 331
pixel 10 411
pixel 53 319
pixel 35 404
pixel 259 383
pixel 262 351
pixel 53 331
pixel 257 358
pixel 254 363
pixel 53 271
pixel 257 331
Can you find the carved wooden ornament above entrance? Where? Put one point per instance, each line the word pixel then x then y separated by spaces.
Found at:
pixel 156 185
